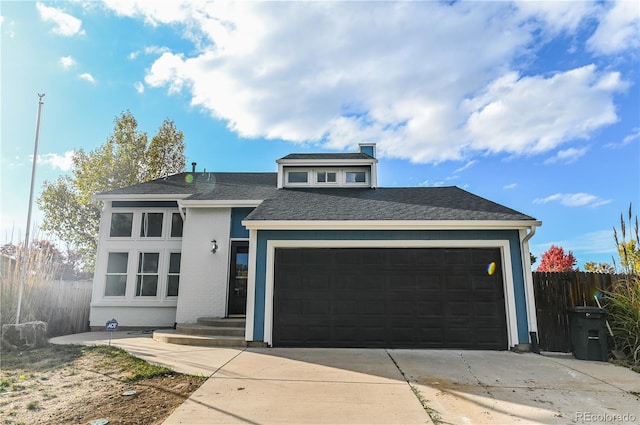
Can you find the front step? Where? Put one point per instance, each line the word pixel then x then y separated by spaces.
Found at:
pixel 207 332
pixel 173 337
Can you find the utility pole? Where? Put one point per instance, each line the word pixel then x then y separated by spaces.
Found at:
pixel 25 249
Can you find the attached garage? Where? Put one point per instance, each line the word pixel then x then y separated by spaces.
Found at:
pixel 389 297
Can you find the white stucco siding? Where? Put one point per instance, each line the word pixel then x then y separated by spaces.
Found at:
pixel 129 310
pixel 203 274
pixel 132 316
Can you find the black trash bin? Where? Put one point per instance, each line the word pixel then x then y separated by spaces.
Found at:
pixel 587 327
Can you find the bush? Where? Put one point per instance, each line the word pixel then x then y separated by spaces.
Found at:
pixel 39 269
pixel 623 305
pixel 623 300
pixel 63 305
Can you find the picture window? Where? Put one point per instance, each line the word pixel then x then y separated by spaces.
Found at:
pixel 356 177
pixel 297 177
pixel 151 225
pixel 147 277
pixel 326 177
pixel 173 278
pixel 176 225
pixel 116 276
pixel 121 225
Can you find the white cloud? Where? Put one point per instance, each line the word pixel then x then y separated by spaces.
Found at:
pixel 635 135
pixel 150 50
pixel 524 115
pixel 406 75
pixel 139 87
pixel 510 186
pixel 64 24
pixel 432 183
pixel 7 30
pixel 567 156
pixel 619 28
pixel 465 166
pixel 557 15
pixel 574 200
pixel 63 162
pixel 87 77
pixel 67 62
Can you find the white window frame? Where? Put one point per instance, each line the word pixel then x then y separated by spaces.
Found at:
pixel 133 224
pixel 142 273
pixel 166 274
pixel 326 172
pixel 143 214
pixel 346 171
pixel 305 171
pixel 170 225
pixel 125 274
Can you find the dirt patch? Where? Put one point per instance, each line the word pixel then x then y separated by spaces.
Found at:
pixel 66 384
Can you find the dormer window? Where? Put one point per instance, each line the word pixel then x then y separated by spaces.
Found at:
pixel 355 177
pixel 333 170
pixel 326 177
pixel 297 177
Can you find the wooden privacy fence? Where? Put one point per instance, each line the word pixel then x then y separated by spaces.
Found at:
pixel 68 307
pixel 554 294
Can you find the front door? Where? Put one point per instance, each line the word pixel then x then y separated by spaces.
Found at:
pixel 238 278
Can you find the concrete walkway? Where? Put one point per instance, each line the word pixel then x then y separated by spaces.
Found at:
pixel 377 386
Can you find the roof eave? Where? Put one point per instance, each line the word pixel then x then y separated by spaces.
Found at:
pixel 327 162
pixel 390 224
pixel 139 196
pixel 218 203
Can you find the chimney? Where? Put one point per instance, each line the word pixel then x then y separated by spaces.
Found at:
pixel 193 167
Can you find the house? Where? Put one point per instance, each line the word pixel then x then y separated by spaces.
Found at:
pixel 317 255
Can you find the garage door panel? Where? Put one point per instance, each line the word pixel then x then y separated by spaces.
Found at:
pixel 395 297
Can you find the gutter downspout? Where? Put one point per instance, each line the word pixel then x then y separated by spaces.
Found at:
pixel 529 294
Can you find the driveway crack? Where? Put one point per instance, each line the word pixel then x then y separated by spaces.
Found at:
pixel 482 384
pixel 433 414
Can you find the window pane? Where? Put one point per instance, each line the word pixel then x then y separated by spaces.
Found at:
pixel 146 286
pixel 297 176
pixel 322 177
pixel 117 262
pixel 148 262
pixel 115 285
pixel 121 224
pixel 356 177
pixel 331 177
pixel 174 262
pixel 151 225
pixel 176 225
pixel 173 282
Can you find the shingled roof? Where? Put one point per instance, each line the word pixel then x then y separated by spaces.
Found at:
pixel 205 186
pixel 414 203
pixel 340 204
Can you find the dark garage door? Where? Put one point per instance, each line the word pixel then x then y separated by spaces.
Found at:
pixel 389 297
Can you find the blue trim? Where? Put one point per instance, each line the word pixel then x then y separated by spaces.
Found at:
pixel 511 235
pixel 144 204
pixel 237 229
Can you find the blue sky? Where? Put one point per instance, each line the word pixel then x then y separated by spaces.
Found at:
pixel 534 105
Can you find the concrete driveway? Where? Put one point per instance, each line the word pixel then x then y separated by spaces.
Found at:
pixel 377 386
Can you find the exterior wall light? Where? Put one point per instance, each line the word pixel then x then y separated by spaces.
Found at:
pixel 214 246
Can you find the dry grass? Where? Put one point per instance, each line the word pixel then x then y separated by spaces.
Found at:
pixel 73 384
